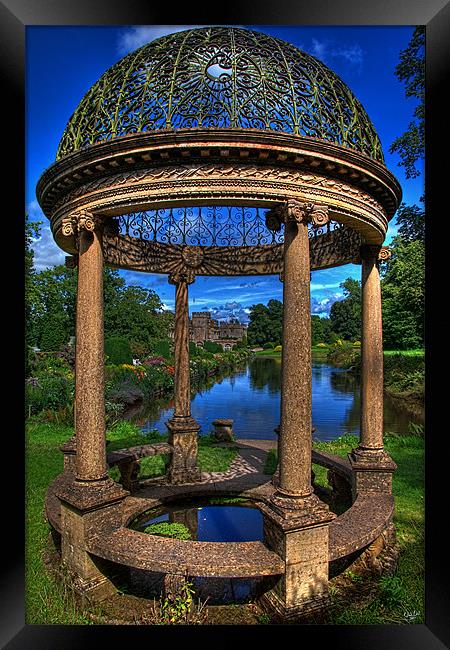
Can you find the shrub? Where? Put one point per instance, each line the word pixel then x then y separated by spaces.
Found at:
pixel 213 347
pixel 321 345
pixel 118 350
pixel 49 392
pixel 268 346
pixel 278 348
pixel 162 348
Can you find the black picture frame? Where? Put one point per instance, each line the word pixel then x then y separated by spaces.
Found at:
pixel 15 16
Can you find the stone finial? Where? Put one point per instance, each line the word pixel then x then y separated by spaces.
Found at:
pixel 185 274
pixel 297 211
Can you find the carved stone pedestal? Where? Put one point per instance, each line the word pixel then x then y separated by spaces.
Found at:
pixel 297 529
pixel 86 508
pixel 372 471
pixel 223 430
pixel 183 434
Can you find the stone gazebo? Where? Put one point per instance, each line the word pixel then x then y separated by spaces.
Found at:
pixel 221 151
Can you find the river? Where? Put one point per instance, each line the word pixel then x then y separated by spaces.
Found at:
pixel 251 397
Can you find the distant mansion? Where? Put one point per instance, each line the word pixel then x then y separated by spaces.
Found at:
pixel 204 328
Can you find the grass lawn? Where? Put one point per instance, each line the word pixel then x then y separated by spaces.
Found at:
pixel 400 600
pixel 46 600
pixel 401 597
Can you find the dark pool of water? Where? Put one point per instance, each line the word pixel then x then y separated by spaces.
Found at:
pixel 251 397
pixel 210 522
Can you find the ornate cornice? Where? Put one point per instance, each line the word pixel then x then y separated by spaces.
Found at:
pixel 135 153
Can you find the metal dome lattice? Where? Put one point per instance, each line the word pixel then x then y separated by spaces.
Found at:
pixel 220 77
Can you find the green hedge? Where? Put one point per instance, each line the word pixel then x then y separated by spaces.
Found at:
pixel 118 350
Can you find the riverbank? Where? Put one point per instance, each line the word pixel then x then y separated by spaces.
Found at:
pixel 404 371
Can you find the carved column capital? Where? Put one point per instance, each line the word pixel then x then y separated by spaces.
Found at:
pixel 185 275
pixel 298 212
pixel 76 222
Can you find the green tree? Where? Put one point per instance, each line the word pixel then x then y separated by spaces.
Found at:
pixel 265 323
pixel 345 315
pixel 53 317
pixel 134 314
pixel 320 330
pixel 32 230
pixel 411 70
pixel 411 221
pixel 403 291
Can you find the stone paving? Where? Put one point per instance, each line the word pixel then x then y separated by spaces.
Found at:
pixel 249 463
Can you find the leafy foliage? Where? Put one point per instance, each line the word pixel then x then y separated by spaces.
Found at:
pixel 411 70
pixel 345 315
pixel 403 291
pixel 118 350
pixel 266 323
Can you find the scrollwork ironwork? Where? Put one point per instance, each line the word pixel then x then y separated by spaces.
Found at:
pixel 204 226
pixel 220 77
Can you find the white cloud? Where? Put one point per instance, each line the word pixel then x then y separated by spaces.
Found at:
pixel 135 37
pixel 352 53
pixel 46 252
pixel 318 49
pixel 325 50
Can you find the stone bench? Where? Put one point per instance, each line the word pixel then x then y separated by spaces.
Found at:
pixel 127 460
pixel 173 556
pixel 361 524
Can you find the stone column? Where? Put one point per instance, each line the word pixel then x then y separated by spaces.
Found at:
pixel 90 500
pixel 369 458
pixel 183 429
pixel 295 520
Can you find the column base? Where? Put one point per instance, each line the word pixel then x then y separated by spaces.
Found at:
pixel 297 530
pixel 372 471
pixel 94 590
pixel 183 435
pixel 276 607
pixel 78 528
pixel 90 495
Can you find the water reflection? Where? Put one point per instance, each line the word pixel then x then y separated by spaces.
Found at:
pixel 251 397
pixel 210 523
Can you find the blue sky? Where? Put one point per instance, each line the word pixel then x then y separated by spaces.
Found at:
pixel 62 63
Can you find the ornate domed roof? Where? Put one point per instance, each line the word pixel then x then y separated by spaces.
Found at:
pixel 220 77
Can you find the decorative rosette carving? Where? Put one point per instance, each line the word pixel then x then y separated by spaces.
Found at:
pixel 384 254
pixel 379 253
pixel 193 256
